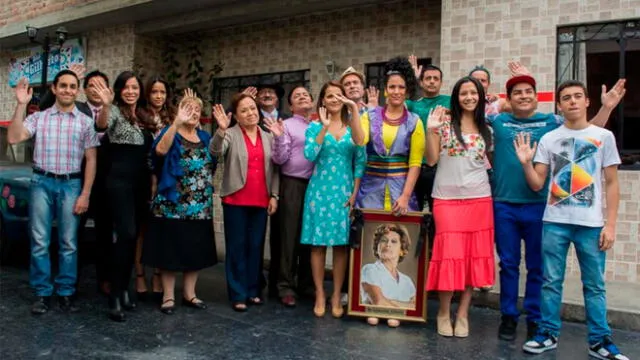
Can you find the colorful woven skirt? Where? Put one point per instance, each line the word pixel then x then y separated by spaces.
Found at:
pixel 463 252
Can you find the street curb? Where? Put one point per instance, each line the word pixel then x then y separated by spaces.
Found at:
pixel 617 318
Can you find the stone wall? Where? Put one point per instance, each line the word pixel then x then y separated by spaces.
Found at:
pixel 350 37
pixel 13 11
pixel 491 32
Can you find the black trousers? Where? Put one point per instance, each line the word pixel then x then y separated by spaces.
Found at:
pixel 294 271
pixel 424 186
pixel 128 191
pixel 100 211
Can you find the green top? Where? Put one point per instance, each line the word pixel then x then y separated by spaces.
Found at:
pixel 423 106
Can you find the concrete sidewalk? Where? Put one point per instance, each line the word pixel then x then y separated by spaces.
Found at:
pixel 623 302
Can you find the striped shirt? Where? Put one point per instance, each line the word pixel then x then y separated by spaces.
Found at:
pixel 61 139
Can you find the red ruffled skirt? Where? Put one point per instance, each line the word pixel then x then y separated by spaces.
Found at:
pixel 463 252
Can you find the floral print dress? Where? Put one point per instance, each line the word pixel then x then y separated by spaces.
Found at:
pixel 325 220
pixel 195 190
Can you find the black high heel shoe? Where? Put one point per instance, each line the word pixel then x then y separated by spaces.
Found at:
pixel 194 303
pixel 126 301
pixel 142 295
pixel 169 310
pixel 156 296
pixel 115 309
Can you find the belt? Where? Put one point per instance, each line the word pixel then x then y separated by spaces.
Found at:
pixel 39 171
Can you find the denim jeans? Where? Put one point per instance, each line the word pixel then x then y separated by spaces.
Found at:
pixel 555 244
pixel 53 198
pixel 514 223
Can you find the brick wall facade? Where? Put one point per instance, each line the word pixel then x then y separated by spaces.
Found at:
pixel 494 31
pixel 13 11
pixel 110 50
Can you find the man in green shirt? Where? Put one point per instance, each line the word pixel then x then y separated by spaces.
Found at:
pixel 430 80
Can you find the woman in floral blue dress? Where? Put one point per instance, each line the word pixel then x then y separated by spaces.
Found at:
pixel 180 237
pixel 331 146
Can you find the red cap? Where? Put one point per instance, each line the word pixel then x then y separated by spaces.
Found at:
pixel 520 79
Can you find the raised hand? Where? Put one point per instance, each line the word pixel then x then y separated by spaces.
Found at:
pixel 524 150
pixel 188 93
pixel 612 98
pixel 105 93
pixel 23 92
pixel 413 60
pixel 276 127
pixel 517 69
pixel 222 119
pixel 324 118
pixel 492 97
pixel 251 91
pixel 436 117
pixel 185 113
pixel 79 70
pixel 373 94
pixel 346 101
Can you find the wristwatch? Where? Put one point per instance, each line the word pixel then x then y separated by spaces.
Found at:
pixel 275 196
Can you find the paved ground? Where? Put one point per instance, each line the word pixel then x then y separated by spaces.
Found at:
pixel 267 332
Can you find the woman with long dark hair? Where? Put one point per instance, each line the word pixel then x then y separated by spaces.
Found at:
pixel 463 250
pixel 161 112
pixel 159 107
pixel 128 179
pixel 395 142
pixel 331 193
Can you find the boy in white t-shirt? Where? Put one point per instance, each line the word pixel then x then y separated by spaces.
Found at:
pixel 575 155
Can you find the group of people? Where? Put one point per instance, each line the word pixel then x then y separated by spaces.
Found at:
pixel 512 173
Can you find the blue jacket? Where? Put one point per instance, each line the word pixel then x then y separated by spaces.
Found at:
pixel 167 168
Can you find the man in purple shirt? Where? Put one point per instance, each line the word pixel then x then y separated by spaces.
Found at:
pixel 295 172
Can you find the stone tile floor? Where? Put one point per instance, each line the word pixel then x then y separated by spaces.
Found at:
pixel 266 332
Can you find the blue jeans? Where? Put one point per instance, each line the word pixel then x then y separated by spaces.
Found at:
pixel 514 223
pixel 244 234
pixel 53 198
pixel 555 244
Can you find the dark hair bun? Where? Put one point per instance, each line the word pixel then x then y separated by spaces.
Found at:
pixel 400 66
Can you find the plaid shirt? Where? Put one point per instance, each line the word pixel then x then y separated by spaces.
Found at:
pixel 61 139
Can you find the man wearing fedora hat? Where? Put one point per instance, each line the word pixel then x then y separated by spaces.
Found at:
pixel 518 210
pixel 268 99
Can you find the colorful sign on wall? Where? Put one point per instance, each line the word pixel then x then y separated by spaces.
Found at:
pixel 28 63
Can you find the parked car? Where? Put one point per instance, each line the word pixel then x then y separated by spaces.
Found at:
pixel 15 182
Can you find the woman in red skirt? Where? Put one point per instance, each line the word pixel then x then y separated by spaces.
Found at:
pixel 463 212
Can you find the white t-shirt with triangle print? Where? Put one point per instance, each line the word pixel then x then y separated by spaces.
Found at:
pixel 576 160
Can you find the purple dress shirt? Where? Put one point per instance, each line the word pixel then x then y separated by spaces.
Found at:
pixel 288 149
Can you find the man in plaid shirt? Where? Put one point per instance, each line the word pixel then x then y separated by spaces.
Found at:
pixel 63 136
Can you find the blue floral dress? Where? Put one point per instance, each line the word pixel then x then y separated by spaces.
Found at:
pixel 325 220
pixel 195 192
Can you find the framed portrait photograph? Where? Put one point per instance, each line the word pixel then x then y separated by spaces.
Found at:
pixel 388 269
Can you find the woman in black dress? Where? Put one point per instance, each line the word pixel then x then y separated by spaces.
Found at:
pixel 128 179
